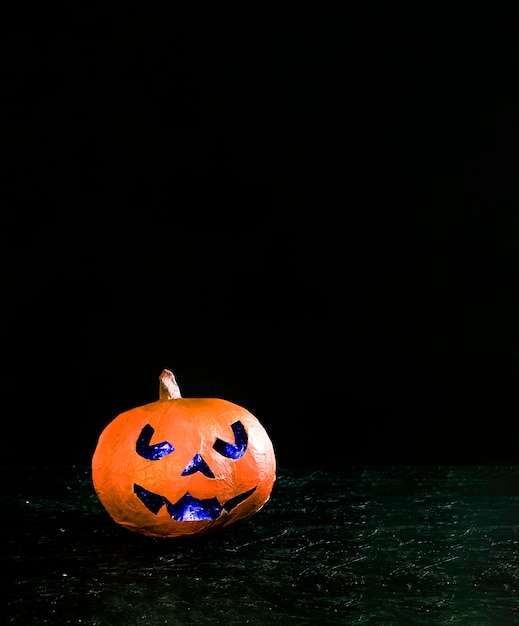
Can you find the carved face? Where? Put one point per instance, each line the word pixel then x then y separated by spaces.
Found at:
pixel 183 466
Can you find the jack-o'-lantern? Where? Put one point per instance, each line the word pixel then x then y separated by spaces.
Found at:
pixel 183 466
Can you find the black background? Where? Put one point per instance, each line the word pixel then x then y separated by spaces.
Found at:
pixel 310 211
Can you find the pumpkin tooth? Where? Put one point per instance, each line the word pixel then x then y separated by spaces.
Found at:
pixel 233 502
pixel 188 508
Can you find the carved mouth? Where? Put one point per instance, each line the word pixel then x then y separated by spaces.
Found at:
pixel 188 508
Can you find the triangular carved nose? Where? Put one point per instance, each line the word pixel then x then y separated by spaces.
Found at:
pixel 197 464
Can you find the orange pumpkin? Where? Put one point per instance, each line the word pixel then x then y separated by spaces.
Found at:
pixel 183 466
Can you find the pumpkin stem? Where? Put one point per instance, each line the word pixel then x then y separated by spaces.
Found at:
pixel 169 389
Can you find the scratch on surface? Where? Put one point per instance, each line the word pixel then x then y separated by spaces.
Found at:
pixel 312 544
pixel 261 540
pixel 427 567
pixel 332 567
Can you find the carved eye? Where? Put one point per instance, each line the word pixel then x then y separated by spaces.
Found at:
pixel 152 452
pixel 233 450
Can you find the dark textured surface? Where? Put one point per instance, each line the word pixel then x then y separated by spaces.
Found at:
pixel 369 545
